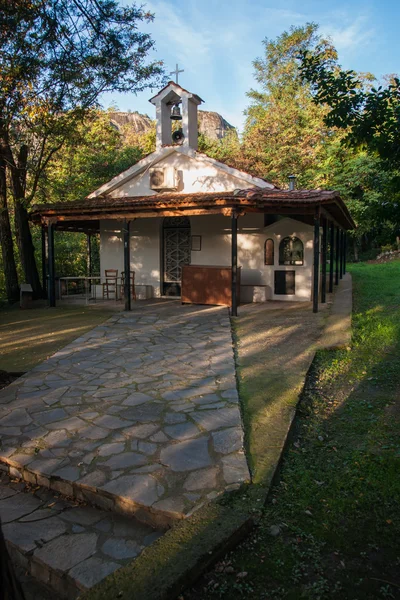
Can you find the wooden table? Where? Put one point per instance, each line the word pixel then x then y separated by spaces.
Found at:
pixel 203 284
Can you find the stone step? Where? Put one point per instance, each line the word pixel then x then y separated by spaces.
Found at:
pixel 67 545
pixel 133 496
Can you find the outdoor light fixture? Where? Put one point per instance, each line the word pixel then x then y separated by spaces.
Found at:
pixel 292 182
pixel 176 113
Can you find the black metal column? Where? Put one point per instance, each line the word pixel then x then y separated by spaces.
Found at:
pixel 44 261
pixel 127 266
pixel 331 258
pixel 234 265
pixel 52 280
pixel 344 251
pixel 337 256
pixel 316 259
pixel 341 254
pixel 323 258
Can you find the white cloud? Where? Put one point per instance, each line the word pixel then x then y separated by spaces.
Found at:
pixel 349 36
pixel 172 31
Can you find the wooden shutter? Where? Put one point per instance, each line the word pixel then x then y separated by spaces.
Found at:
pixel 269 252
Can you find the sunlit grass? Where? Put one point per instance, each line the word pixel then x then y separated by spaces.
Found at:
pixel 29 337
pixel 337 504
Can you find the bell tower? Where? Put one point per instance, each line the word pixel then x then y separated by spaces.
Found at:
pixel 173 103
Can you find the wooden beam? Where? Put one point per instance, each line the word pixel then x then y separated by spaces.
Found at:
pixel 52 280
pixel 234 225
pixel 316 259
pixel 331 257
pixel 323 258
pixel 143 215
pixel 127 266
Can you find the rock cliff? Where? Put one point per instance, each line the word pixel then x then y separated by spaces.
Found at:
pixel 211 124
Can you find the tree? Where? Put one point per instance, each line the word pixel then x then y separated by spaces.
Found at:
pixel 226 149
pixel 366 186
pixel 95 153
pixel 371 116
pixel 285 131
pixel 57 57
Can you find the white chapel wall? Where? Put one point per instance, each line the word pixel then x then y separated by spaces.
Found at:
pixel 215 250
pixel 144 250
pixel 195 175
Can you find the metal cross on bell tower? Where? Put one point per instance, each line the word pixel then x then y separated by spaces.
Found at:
pixel 176 72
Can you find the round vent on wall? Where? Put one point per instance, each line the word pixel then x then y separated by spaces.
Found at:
pixel 156 178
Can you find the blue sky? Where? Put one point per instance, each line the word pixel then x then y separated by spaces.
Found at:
pixel 215 42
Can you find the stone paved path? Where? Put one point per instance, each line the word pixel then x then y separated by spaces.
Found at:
pixel 139 415
pixel 65 546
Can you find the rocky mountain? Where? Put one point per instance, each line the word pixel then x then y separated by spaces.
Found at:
pixel 211 124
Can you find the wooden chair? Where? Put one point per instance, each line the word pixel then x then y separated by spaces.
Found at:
pixel 133 292
pixel 110 285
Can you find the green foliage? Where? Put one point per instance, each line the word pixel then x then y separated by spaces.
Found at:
pixel 366 185
pixel 285 132
pixel 226 150
pixel 292 129
pixel 370 116
pixel 92 157
pixel 57 58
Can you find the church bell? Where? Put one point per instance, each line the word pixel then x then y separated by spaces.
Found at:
pixel 176 113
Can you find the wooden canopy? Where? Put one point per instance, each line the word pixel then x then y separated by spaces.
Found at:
pixel 85 215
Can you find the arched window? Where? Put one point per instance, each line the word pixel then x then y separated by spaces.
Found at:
pixel 269 252
pixel 291 251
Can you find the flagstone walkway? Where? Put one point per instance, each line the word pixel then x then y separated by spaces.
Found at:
pixel 139 415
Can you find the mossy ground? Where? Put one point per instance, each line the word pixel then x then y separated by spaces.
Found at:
pixel 336 508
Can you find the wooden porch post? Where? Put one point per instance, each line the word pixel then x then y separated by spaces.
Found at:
pixel 234 265
pixel 323 257
pixel 127 266
pixel 52 280
pixel 341 254
pixel 331 258
pixel 44 261
pixel 316 259
pixel 344 251
pixel 89 263
pixel 337 256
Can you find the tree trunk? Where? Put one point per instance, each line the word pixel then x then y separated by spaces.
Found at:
pixel 22 229
pixel 10 270
pixel 355 247
pixel 27 249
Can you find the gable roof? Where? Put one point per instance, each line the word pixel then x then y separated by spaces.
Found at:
pixel 165 151
pixel 177 89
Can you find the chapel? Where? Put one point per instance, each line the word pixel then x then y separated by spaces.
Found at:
pixel 187 226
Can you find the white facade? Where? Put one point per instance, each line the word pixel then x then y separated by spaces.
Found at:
pixel 257 278
pixel 196 173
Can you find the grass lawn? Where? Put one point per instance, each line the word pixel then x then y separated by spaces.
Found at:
pixel 27 337
pixel 331 528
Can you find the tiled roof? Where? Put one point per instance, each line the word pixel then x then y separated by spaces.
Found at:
pixel 256 198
